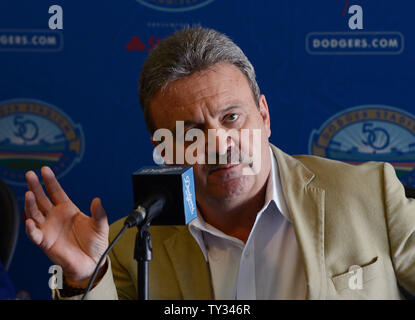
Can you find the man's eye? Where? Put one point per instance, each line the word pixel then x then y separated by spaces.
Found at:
pixel 232 117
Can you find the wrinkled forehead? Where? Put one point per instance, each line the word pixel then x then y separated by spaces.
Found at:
pixel 202 92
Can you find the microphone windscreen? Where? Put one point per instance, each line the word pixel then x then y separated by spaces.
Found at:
pixel 176 183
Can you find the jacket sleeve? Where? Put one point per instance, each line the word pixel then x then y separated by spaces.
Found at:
pixel 104 290
pixel 122 278
pixel 400 217
pixel 117 282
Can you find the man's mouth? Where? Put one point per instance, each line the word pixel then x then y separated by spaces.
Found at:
pixel 223 168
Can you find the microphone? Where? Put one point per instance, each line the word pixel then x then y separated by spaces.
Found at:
pixel 146 211
pixel 173 183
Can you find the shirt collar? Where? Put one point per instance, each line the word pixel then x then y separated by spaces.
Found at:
pixel 273 193
pixel 274 187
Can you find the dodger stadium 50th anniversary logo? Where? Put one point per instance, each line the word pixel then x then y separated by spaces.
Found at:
pixel 369 133
pixel 34 134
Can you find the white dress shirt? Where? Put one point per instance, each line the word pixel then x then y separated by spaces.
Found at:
pixel 268 265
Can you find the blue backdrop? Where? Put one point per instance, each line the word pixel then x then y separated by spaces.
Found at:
pixel 338 84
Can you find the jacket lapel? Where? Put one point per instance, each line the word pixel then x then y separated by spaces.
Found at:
pixel 189 265
pixel 305 204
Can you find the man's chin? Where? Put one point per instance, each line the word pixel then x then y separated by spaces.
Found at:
pixel 234 187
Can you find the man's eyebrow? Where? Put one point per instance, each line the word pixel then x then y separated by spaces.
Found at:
pixel 235 105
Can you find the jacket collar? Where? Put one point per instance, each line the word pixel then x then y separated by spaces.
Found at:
pixel 305 205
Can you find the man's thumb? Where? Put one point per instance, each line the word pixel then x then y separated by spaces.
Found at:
pixel 98 213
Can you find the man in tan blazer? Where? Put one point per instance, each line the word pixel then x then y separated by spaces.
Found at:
pixel 341 231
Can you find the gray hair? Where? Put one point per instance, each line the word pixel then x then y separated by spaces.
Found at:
pixel 185 52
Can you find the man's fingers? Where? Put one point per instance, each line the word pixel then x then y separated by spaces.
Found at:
pixel 99 215
pixel 43 202
pixel 31 208
pixel 33 232
pixel 53 187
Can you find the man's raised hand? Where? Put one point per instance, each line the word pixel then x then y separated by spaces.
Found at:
pixel 69 238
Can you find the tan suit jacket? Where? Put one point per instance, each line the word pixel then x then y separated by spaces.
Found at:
pixel 343 215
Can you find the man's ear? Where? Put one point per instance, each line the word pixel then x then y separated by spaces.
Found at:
pixel 263 110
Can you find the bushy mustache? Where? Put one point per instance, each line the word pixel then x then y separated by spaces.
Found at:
pixel 233 155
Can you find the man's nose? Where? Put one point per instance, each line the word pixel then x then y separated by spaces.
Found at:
pixel 224 141
pixel 219 142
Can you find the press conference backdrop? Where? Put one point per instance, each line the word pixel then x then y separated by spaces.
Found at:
pixel 338 76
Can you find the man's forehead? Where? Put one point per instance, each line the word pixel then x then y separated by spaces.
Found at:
pixel 218 79
pixel 213 88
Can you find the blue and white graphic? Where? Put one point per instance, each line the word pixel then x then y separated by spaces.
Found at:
pixel 30 40
pixel 369 133
pixel 35 134
pixel 351 43
pixel 190 195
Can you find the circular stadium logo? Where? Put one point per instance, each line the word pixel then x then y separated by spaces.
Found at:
pixel 369 133
pixel 175 5
pixel 34 134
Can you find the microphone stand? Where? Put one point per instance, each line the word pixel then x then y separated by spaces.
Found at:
pixel 143 253
pixel 141 216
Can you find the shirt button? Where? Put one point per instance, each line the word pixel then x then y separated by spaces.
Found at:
pixel 247 253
